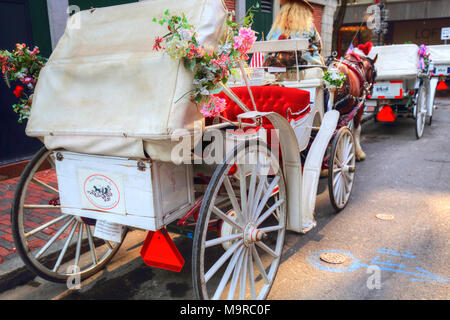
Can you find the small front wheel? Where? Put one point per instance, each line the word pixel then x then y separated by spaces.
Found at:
pixel 247 193
pixel 341 166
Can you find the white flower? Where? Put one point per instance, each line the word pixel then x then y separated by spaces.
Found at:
pixel 204 92
pixel 334 76
pixel 186 34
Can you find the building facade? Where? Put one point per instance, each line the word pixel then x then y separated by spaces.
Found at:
pixel 408 21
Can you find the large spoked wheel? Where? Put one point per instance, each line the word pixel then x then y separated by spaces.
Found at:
pixel 246 203
pixel 421 111
pixel 53 245
pixel 341 171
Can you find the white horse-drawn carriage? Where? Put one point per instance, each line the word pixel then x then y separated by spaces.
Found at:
pixel 401 89
pixel 107 108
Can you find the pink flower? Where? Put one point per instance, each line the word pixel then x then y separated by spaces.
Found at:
pixel 213 106
pixel 28 80
pixel 245 40
pixel 224 62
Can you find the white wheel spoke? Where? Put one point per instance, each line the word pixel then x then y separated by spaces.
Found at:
pixel 78 250
pixel 260 265
pixel 66 245
pixel 91 245
pixel 272 229
pixel 263 246
pixel 40 206
pixel 53 239
pixel 232 196
pixel 225 218
pixel 215 242
pixel 235 278
pixel 45 226
pixel 46 186
pixel 269 212
pixel 243 186
pixel 222 260
pixel 227 274
pixel 266 196
pixel 243 283
pixel 251 275
pixel 251 191
pixel 258 194
pixel 108 244
pixel 233 199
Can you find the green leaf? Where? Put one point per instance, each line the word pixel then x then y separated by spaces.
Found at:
pixel 190 64
pixel 154 20
pixel 216 91
pixel 6 77
pixel 167 12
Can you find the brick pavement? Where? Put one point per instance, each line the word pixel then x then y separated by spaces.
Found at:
pixel 33 218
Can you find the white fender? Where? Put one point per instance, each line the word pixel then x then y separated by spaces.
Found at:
pixel 431 92
pixel 313 166
pixel 292 168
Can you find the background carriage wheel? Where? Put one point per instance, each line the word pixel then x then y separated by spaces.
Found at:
pixel 421 110
pixel 341 172
pixel 242 263
pixel 49 242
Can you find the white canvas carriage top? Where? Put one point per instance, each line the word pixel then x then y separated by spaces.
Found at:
pixel 105 91
pixel 439 54
pixel 396 61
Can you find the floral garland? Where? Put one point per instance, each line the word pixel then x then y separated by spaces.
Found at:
pixel 424 58
pixel 22 65
pixel 210 68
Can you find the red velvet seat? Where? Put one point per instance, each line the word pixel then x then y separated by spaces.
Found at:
pixel 267 99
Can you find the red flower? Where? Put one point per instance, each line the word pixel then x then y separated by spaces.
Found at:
pixel 157 45
pixel 18 91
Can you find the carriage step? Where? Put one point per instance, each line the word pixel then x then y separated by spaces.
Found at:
pixel 159 251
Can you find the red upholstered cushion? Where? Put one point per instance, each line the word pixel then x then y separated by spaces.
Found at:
pixel 267 99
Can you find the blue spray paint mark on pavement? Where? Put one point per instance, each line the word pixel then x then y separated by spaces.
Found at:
pixel 419 274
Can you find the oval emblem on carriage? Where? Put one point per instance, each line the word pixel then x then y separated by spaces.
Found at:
pixel 102 192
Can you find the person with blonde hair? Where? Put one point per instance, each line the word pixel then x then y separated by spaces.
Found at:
pixel 295 21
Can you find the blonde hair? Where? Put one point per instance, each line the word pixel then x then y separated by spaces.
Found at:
pixel 294 17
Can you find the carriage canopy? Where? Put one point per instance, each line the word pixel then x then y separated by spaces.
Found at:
pixel 105 91
pixel 440 54
pixel 396 61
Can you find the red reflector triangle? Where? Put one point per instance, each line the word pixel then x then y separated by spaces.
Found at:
pixel 441 86
pixel 386 114
pixel 159 251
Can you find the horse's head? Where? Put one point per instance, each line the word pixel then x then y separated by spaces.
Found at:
pixel 366 65
pixel 370 71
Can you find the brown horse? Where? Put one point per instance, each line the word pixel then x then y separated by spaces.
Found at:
pixel 360 75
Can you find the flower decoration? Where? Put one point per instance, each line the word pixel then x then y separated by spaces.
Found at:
pixel 22 65
pixel 424 58
pixel 209 68
pixel 334 78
